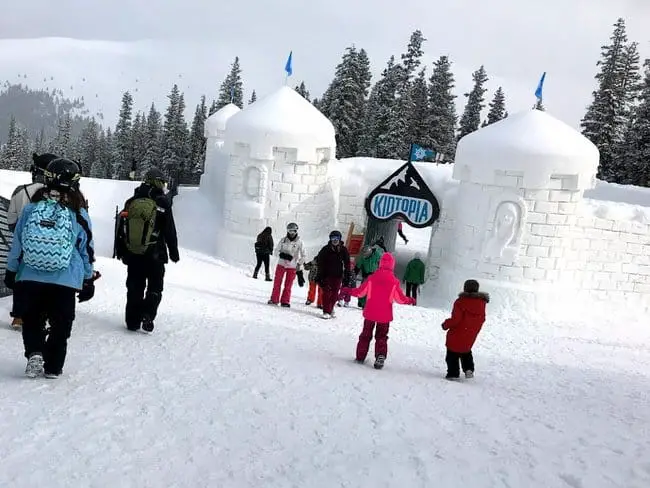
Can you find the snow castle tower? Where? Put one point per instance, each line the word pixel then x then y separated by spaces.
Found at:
pixel 215 129
pixel 521 180
pixel 279 152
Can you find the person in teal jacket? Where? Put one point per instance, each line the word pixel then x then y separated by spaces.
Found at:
pixel 52 257
pixel 414 276
pixel 367 265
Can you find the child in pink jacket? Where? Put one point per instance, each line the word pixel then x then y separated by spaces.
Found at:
pixel 381 289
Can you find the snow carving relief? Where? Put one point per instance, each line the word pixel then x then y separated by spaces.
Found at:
pixel 503 241
pixel 254 186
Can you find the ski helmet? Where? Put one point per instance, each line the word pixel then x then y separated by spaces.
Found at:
pixel 335 234
pixel 292 227
pixel 62 174
pixel 156 178
pixel 40 163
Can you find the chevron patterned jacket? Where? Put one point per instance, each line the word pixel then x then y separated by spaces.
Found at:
pixel 80 267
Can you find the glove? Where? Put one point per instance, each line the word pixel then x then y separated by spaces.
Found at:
pixel 87 291
pixel 10 279
pixel 174 257
pixel 443 326
pixel 301 278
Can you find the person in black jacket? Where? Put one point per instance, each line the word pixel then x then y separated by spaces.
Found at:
pixel 263 250
pixel 144 248
pixel 333 266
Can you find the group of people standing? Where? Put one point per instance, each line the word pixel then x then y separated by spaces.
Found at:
pixel 52 256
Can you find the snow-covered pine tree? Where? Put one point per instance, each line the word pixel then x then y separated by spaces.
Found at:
pixel 344 100
pixel 470 121
pixel 89 150
pixel 123 139
pixel 16 152
pixel 213 108
pixel 418 120
pixel 97 169
pixel 197 142
pixel 442 117
pixel 253 98
pixel 175 136
pixel 607 117
pixel 635 159
pixel 232 82
pixel 139 140
pixel 109 154
pixel 497 108
pixel 61 144
pixel 154 149
pixel 40 144
pixel 302 91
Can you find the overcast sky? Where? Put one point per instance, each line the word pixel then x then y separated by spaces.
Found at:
pixel 515 39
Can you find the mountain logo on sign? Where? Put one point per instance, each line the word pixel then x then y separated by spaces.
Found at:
pixel 404 194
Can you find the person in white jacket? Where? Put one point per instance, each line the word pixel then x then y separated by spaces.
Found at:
pixel 21 196
pixel 291 253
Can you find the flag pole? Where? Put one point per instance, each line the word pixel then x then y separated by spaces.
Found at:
pixel 410 160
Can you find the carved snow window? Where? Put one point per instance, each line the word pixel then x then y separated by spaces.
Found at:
pixel 253 183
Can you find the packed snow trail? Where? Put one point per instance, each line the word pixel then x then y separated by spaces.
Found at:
pixel 231 392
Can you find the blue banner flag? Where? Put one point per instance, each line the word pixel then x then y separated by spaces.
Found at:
pixel 540 87
pixel 289 66
pixel 418 153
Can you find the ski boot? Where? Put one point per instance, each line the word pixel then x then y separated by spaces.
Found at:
pixel 379 362
pixel 147 324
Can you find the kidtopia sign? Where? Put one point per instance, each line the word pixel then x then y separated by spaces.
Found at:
pixel 5 244
pixel 404 195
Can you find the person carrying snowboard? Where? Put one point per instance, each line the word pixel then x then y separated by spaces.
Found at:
pixel 292 254
pixel 333 266
pixel 23 195
pixel 52 257
pixel 414 276
pixel 466 321
pixel 145 241
pixel 263 251
pixel 382 289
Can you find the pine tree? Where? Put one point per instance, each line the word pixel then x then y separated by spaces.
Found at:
pixel 608 115
pixel 40 144
pixel 175 136
pixel 89 150
pixel 418 120
pixel 98 170
pixel 123 139
pixel 107 156
pixel 636 157
pixel 213 108
pixel 497 108
pixel 16 152
pixel 442 117
pixel 253 98
pixel 232 83
pixel 344 100
pixel 61 145
pixel 139 141
pixel 302 91
pixel 153 152
pixel 471 118
pixel 197 142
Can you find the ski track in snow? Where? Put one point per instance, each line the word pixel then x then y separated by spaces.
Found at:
pixel 231 392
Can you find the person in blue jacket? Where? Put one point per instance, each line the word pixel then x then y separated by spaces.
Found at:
pixel 52 257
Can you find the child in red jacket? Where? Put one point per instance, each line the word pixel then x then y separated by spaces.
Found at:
pixel 381 289
pixel 467 318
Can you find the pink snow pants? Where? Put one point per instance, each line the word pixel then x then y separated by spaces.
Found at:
pixel 381 339
pixel 289 274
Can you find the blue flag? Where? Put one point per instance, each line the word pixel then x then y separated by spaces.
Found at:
pixel 540 87
pixel 288 67
pixel 418 153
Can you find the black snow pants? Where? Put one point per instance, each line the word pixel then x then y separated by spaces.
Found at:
pixel 43 301
pixel 144 286
pixel 466 360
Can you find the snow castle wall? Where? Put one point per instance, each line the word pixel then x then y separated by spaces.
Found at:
pixel 279 152
pixel 516 221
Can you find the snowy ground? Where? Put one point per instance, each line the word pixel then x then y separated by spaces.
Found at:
pixel 230 392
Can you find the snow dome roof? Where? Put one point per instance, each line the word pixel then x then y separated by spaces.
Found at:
pixel 531 142
pixel 283 119
pixel 216 123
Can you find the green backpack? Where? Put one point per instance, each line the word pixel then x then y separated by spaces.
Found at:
pixel 140 225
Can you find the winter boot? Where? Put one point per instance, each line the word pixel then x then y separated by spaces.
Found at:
pixel 469 374
pixel 379 362
pixel 307 303
pixel 34 366
pixel 17 323
pixel 255 275
pixel 51 376
pixel 268 278
pixel 451 378
pixel 326 316
pixel 271 302
pixel 339 303
pixel 147 324
pixel 285 305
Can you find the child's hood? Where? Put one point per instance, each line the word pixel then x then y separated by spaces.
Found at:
pixel 387 262
pixel 474 303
